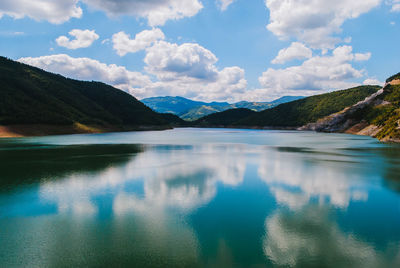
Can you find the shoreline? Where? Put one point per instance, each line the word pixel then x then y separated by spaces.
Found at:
pixel 38 130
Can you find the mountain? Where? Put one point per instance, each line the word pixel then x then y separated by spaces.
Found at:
pixel 173 105
pixel 31 96
pixel 297 113
pixel 377 116
pixel 307 110
pixel 192 110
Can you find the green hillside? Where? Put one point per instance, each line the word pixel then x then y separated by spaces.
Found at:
pixel 383 113
pixel 292 114
pixel 225 118
pixel 307 110
pixel 29 95
pixel 174 120
pixel 387 116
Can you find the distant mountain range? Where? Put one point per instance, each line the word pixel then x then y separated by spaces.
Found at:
pixel 192 110
pixel 31 96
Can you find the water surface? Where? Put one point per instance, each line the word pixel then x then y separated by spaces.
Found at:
pixel 200 198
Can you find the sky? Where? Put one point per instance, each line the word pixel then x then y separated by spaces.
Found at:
pixel 208 50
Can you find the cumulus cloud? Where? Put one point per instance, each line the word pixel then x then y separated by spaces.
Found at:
pixel 296 51
pixel 189 70
pixel 169 61
pixel 326 72
pixel 157 12
pixel 89 69
pixel 50 10
pixel 224 4
pixel 123 44
pixel 314 22
pixel 83 38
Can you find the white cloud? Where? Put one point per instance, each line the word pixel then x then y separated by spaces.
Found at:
pixel 362 56
pixel 296 51
pixel 189 70
pixel 89 69
pixel 373 81
pixel 229 85
pixel 317 73
pixel 123 44
pixel 314 21
pixel 157 12
pixel 169 61
pixel 395 5
pixel 224 4
pixel 53 11
pixel 83 38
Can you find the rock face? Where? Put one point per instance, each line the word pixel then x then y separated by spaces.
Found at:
pixel 394 82
pixel 340 122
pixel 377 116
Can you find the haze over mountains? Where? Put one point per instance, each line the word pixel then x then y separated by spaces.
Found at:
pixel 192 110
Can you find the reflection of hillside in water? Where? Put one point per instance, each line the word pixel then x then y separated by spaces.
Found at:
pixel 31 163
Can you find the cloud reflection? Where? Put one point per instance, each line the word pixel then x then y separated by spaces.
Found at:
pixel 309 238
pixel 296 179
pixel 175 177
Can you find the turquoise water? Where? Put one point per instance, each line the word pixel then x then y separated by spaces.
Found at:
pixel 200 198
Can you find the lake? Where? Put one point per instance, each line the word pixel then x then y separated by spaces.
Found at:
pixel 200 198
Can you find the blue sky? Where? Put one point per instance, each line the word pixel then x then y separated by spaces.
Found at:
pixel 212 50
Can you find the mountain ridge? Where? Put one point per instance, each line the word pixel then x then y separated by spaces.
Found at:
pixel 191 110
pixel 31 96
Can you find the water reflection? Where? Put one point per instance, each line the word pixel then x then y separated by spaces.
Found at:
pixel 156 178
pixel 31 163
pixel 311 238
pixel 256 201
pixel 297 175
